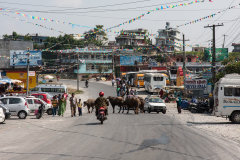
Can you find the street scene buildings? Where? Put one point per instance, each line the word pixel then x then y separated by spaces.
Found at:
pixel 88 80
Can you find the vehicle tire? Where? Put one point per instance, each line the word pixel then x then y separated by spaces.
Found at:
pixel 144 111
pixel 164 112
pixel 102 120
pixel 22 115
pixel 3 121
pixel 49 112
pixel 38 116
pixel 157 112
pixel 235 118
pixel 149 111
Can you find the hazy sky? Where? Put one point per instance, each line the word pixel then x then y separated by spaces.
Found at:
pixel 112 12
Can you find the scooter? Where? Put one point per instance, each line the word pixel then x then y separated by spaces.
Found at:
pixel 101 114
pixel 39 113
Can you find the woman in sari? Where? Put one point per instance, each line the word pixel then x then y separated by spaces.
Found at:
pixel 61 109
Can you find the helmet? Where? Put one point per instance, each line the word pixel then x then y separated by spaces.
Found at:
pixel 101 94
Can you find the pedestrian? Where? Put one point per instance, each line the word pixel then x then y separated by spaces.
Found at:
pixel 135 92
pixel 55 105
pixel 118 91
pixel 79 104
pixel 61 109
pixel 127 91
pixel 179 102
pixel 132 91
pixel 73 104
pixel 138 85
pixel 122 93
pixel 113 81
pixel 58 78
pixel 65 96
pixel 161 93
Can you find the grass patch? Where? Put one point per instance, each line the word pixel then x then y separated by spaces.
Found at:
pixel 70 91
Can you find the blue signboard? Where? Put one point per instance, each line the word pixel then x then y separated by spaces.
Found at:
pixel 19 58
pixel 129 60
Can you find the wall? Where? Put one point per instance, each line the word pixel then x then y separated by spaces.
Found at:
pixel 174 59
pixel 22 76
pixel 6 46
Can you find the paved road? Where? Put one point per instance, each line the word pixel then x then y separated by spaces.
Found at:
pixel 123 136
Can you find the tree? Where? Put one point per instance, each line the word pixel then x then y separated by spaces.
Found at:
pixel 15 35
pixel 27 38
pixel 100 69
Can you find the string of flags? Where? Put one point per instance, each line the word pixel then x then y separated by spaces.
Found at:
pixel 206 17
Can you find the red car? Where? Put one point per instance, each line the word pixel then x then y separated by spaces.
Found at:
pixel 45 97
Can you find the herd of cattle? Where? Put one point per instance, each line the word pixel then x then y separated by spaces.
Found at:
pixel 134 103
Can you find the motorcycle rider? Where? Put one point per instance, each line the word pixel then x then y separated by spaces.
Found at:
pixel 101 102
pixel 86 83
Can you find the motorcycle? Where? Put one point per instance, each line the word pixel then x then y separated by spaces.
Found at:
pixel 39 113
pixel 101 114
pixel 86 84
pixel 200 107
pixel 167 100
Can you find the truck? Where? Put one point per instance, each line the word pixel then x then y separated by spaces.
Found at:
pixel 226 98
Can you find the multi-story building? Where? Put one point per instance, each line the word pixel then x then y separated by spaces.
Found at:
pixel 236 47
pixel 36 38
pixel 168 38
pixel 132 37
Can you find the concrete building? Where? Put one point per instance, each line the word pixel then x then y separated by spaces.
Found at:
pixel 236 47
pixel 164 35
pixel 36 38
pixel 132 37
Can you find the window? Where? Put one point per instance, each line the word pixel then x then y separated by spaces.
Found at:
pixel 109 57
pixel 37 101
pixel 85 56
pixel 35 89
pixel 4 101
pixel 236 92
pixel 197 70
pixel 104 57
pixel 158 78
pixel 40 40
pixel 189 60
pixel 40 96
pixel 46 90
pixel 156 100
pixel 14 100
pixel 181 59
pixel 140 78
pixel 196 50
pixel 29 101
pixel 228 91
pixel 92 67
pixel 177 59
pixel 98 56
pixel 92 56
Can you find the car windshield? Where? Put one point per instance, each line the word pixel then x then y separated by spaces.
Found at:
pixel 155 100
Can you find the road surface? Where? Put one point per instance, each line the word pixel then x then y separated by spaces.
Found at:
pixel 122 136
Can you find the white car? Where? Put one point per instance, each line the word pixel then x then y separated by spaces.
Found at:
pixel 2 116
pixel 34 103
pixel 154 104
pixel 17 105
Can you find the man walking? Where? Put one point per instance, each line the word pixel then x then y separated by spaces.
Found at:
pixel 179 102
pixel 113 81
pixel 73 104
pixel 55 105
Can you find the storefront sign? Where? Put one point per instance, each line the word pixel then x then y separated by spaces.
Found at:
pixel 31 73
pixel 20 57
pixel 207 75
pixel 129 60
pixel 196 84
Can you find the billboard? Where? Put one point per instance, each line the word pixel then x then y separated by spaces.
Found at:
pixel 19 58
pixel 221 54
pixel 196 84
pixel 129 60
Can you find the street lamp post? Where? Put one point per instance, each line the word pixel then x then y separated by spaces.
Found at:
pixel 28 71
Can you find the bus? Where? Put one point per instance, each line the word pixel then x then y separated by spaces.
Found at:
pixel 123 76
pixel 138 78
pixel 154 81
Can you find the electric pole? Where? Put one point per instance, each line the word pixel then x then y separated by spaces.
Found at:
pixel 214 53
pixel 78 73
pixel 28 71
pixel 224 40
pixel 184 65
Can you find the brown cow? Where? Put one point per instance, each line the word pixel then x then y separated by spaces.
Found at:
pixel 133 102
pixel 116 101
pixel 89 103
pixel 142 104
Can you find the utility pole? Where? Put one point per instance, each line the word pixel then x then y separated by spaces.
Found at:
pixel 184 65
pixel 113 64
pixel 214 53
pixel 28 71
pixel 224 40
pixel 78 73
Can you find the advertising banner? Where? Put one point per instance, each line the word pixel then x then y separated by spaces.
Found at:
pixel 221 54
pixel 196 84
pixel 207 75
pixel 129 60
pixel 19 58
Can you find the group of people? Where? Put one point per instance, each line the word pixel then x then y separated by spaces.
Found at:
pixel 60 102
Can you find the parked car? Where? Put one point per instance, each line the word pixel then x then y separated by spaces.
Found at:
pixel 34 103
pixel 154 104
pixel 17 105
pixel 5 110
pixel 44 96
pixel 2 115
pixel 50 88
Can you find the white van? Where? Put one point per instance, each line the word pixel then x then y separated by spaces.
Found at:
pixel 154 81
pixel 50 88
pixel 227 98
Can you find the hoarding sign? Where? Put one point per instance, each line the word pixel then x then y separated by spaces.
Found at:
pixel 221 54
pixel 207 75
pixel 19 58
pixel 31 73
pixel 129 60
pixel 196 84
